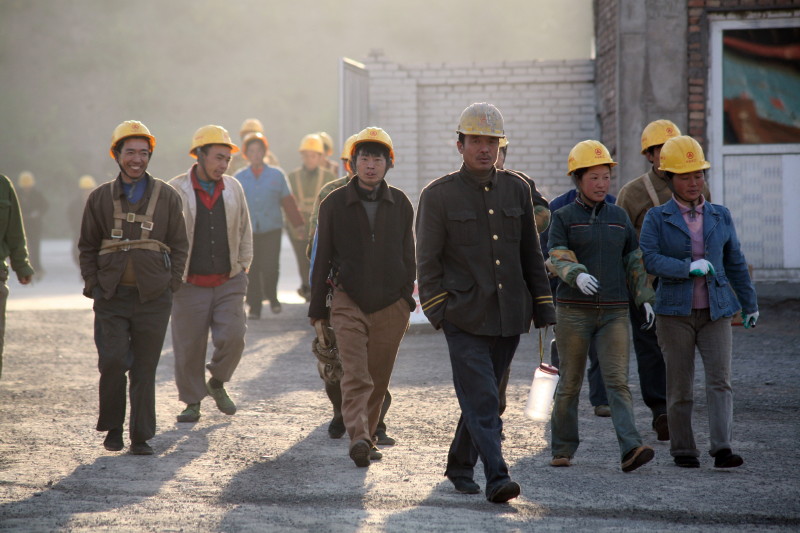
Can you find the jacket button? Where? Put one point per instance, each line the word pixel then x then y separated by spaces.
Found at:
pixel 491 211
pixel 499 285
pixel 486 189
pixel 497 262
pixel 495 237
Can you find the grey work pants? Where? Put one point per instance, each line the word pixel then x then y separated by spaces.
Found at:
pixel 195 311
pixel 678 336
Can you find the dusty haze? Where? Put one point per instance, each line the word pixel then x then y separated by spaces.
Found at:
pixel 72 70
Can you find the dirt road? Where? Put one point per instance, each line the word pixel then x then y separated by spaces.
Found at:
pixel 272 467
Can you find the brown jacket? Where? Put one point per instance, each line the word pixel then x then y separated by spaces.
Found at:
pixel 154 271
pixel 635 200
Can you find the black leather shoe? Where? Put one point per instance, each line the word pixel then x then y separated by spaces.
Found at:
pixel 725 458
pixel 113 441
pixel 505 492
pixel 360 453
pixel 141 448
pixel 661 425
pixel 383 439
pixel 336 428
pixel 465 485
pixel 687 461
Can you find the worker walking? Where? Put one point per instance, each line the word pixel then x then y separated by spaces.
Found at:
pixel 238 160
pixel 594 251
pixel 481 279
pixel 305 183
pixel 133 251
pixel 12 246
pixel 637 198
pixel 691 244
pixel 215 279
pixel 541 214
pixel 267 193
pixel 364 267
pixel 34 205
pixel 329 372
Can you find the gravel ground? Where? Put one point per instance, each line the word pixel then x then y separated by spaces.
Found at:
pixel 272 467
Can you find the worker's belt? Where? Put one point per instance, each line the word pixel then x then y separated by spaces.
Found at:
pixel 109 246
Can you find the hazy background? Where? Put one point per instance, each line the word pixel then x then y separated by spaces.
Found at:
pixel 73 69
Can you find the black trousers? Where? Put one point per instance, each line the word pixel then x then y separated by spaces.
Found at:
pixel 478 362
pixel 262 279
pixel 649 362
pixel 129 336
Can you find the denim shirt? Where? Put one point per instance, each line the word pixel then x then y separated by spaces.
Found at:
pixel 667 250
pixel 605 246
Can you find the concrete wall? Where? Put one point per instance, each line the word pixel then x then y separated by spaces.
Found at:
pixel 547 106
pixel 641 74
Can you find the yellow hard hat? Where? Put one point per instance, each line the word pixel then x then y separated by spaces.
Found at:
pixel 348 146
pixel 254 136
pixel 587 154
pixel 86 182
pixel 327 142
pixel 26 179
pixel 211 134
pixel 131 128
pixel 657 132
pixel 376 135
pixel 681 155
pixel 481 119
pixel 503 142
pixel 250 125
pixel 312 143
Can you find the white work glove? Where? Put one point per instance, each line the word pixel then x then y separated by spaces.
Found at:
pixel 749 319
pixel 701 267
pixel 587 283
pixel 649 315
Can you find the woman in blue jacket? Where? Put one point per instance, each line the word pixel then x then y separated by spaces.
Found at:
pixel 594 251
pixel 691 245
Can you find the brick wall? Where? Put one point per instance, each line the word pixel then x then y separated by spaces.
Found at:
pixel 547 106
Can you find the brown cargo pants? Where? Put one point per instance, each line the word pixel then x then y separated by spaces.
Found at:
pixel 368 345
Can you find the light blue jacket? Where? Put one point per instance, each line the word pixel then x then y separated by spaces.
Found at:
pixel 667 251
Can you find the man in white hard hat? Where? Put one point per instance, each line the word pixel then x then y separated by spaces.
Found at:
pixel 215 279
pixel 482 280
pixel 133 250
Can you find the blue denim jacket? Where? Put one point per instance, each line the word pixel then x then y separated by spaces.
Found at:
pixel 667 249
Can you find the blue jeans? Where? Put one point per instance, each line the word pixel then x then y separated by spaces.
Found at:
pixel 597 389
pixel 650 362
pixel 576 328
pixel 479 362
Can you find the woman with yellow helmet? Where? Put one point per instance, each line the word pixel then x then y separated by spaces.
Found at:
pixel 594 251
pixel 691 245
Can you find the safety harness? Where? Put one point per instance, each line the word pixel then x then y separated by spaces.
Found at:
pixel 117 244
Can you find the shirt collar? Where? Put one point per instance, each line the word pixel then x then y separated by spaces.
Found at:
pixel 196 181
pixel 698 208
pixel 473 180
